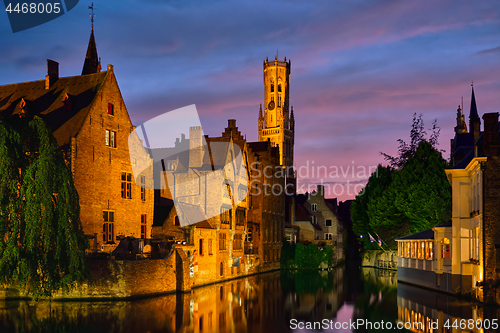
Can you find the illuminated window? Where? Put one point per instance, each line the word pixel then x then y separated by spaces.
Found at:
pixel 445 248
pixel 110 138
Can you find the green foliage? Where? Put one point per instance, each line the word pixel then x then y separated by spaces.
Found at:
pixel 305 256
pixel 43 245
pixel 377 184
pixel 411 195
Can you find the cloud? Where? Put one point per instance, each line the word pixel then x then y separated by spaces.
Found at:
pixel 488 51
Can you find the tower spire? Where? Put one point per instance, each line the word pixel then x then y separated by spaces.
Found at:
pixel 92 62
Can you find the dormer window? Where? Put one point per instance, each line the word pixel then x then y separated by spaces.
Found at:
pixel 67 103
pixel 111 110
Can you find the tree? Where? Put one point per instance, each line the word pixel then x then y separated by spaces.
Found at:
pixel 377 183
pixel 43 245
pixel 410 195
pixel 417 134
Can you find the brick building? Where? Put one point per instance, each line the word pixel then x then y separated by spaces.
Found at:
pixel 91 124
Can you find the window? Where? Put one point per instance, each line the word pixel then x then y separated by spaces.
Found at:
pixel 279 87
pixel 225 216
pixel 108 226
pixel 222 241
pixel 67 103
pixel 111 110
pixel 445 248
pixel 328 236
pixel 201 247
pixel 201 323
pixel 110 138
pixel 177 221
pixel 272 87
pixel 143 188
pixel 126 185
pixel 210 247
pixel 249 234
pixel 328 223
pixel 238 242
pixel 279 100
pixel 429 254
pixel 143 226
pixel 314 219
pixel 314 207
pixel 240 217
pixel 242 193
pixel 221 274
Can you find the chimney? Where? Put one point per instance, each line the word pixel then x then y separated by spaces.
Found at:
pixel 52 73
pixel 321 190
pixel 491 144
pixel 231 123
pixel 196 146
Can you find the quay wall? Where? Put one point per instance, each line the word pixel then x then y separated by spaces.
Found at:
pixel 380 259
pixel 123 279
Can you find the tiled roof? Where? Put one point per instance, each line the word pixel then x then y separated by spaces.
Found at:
pixel 49 105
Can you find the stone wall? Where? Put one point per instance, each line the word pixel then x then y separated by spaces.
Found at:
pixel 122 279
pixel 380 259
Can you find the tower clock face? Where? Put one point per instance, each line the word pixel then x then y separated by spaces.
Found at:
pixel 270 106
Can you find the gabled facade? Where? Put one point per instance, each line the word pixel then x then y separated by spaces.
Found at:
pixel 318 221
pixel 91 124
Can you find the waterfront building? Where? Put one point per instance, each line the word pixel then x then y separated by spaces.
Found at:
pixel 90 122
pixel 461 257
pixel 318 222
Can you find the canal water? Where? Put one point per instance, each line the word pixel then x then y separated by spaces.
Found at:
pixel 341 300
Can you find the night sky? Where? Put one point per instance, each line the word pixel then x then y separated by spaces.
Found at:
pixel 360 68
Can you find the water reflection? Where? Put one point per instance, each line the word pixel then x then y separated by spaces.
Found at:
pixel 261 303
pixel 428 311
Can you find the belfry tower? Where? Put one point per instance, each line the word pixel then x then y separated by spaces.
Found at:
pixel 277 124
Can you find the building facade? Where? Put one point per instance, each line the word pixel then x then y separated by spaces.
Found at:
pixel 91 124
pixel 462 256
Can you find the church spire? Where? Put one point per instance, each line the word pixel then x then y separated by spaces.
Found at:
pixel 92 63
pixel 474 120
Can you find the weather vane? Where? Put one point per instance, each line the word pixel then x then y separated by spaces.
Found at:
pixel 92 15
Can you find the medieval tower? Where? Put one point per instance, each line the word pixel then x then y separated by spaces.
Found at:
pixel 277 124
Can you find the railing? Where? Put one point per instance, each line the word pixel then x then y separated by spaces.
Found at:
pixel 251 250
pixel 385 264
